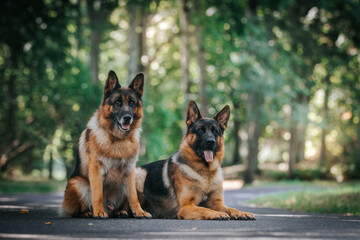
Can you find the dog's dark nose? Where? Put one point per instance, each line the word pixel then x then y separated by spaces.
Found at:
pixel 127 118
pixel 210 143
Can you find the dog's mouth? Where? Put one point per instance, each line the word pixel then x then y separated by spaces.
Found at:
pixel 209 156
pixel 125 126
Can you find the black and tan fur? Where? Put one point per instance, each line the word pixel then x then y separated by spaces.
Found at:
pixel 188 185
pixel 104 179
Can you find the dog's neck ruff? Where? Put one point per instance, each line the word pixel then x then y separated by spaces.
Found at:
pixel 102 135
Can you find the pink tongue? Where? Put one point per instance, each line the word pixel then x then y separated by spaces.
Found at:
pixel 110 207
pixel 209 156
pixel 125 126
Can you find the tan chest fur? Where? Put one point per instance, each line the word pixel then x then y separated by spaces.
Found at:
pixel 200 182
pixel 117 155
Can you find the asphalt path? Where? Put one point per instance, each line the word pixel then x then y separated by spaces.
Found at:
pixel 43 222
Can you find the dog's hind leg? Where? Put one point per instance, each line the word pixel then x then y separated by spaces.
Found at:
pixel 77 198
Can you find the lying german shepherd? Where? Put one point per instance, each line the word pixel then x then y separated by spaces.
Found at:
pixel 104 177
pixel 188 185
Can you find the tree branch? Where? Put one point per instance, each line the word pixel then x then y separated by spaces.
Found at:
pixel 13 152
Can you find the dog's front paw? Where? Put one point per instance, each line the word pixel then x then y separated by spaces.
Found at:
pixel 121 214
pixel 236 214
pixel 141 214
pixel 100 214
pixel 86 214
pixel 214 215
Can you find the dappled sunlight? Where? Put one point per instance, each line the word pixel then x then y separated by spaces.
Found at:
pixel 288 70
pixel 232 184
pixel 13 207
pixel 7 199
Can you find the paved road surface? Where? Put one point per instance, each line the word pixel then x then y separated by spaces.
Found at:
pixel 270 223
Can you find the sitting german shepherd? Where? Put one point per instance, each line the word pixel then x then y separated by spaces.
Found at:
pixel 188 185
pixel 104 177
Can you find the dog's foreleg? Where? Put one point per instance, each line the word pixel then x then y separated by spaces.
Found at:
pixel 188 209
pixel 96 187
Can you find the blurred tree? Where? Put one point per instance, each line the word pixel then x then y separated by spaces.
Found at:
pixel 325 113
pixel 185 51
pixel 96 18
pixel 98 12
pixel 31 61
pixel 200 56
pixel 137 38
pixel 254 110
pixel 288 69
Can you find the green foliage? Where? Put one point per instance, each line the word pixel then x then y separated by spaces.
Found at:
pixel 44 85
pixel 271 61
pixel 11 187
pixel 340 199
pixel 301 174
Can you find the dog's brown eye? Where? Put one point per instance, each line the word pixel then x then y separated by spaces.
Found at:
pixel 117 102
pixel 213 129
pixel 131 102
pixel 201 130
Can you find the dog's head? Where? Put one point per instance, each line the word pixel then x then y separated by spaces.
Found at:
pixel 121 107
pixel 205 135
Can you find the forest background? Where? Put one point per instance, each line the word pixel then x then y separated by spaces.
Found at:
pixel 290 71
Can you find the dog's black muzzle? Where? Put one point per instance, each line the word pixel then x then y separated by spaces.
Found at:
pixel 125 121
pixel 127 118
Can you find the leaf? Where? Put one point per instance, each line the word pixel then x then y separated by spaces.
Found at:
pixel 24 211
pixel 48 223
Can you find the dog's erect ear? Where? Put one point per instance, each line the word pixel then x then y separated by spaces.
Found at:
pixel 193 113
pixel 137 84
pixel 112 83
pixel 223 117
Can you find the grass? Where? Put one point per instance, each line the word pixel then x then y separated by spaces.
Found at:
pixel 295 183
pixel 321 197
pixel 47 186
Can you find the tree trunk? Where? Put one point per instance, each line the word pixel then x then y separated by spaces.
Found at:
pixel 9 137
pixel 144 16
pixel 325 127
pixel 293 144
pixel 254 114
pixel 200 56
pixel 134 55
pixel 185 49
pixel 137 37
pixel 11 95
pixel 301 127
pixel 301 141
pixel 357 152
pixel 237 141
pixel 12 105
pixel 96 18
pixel 51 163
pixel 298 124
